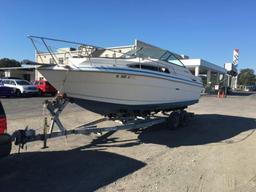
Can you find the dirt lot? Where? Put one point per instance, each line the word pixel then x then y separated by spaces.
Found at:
pixel 215 152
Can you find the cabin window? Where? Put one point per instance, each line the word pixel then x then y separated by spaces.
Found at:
pixel 151 68
pixel 51 61
pixel 164 70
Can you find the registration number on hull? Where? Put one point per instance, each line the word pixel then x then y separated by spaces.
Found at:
pixel 123 76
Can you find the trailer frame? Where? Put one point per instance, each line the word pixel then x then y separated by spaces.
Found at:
pixel 58 104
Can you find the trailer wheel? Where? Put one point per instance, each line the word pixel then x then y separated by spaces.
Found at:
pixel 184 118
pixel 173 121
pixel 5 145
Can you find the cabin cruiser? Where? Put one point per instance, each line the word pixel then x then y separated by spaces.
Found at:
pixel 134 80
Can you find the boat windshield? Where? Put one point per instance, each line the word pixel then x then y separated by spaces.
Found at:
pixel 157 53
pixel 171 58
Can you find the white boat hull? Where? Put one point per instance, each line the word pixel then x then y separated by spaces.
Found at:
pixel 113 91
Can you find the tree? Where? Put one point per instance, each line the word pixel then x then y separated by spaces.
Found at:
pixel 246 77
pixel 5 62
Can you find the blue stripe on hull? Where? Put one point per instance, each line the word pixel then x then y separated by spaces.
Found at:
pixel 111 108
pixel 141 72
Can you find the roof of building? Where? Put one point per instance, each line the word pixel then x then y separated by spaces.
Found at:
pixel 23 66
pixel 203 63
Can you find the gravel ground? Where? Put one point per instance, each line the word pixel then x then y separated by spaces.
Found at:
pixel 215 152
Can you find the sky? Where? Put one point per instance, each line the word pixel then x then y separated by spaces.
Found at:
pixel 204 29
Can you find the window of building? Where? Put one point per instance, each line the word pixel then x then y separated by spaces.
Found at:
pixel 51 61
pixel 61 61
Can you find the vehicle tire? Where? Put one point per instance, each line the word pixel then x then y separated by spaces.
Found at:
pixel 18 93
pixel 41 93
pixel 173 121
pixel 5 145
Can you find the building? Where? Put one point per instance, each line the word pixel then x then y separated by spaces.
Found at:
pixel 26 72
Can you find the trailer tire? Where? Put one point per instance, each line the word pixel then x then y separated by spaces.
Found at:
pixel 173 121
pixel 184 118
pixel 5 145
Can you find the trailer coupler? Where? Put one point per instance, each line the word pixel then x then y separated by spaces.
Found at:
pixel 22 136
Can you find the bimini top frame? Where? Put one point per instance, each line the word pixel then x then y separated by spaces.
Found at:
pixel 140 50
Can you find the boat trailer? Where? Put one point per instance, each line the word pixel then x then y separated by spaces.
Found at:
pixel 55 107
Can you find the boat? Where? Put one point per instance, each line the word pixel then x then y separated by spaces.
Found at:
pixel 133 80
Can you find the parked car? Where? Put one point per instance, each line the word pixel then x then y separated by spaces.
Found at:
pixel 21 87
pixel 5 139
pixel 45 87
pixel 5 91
